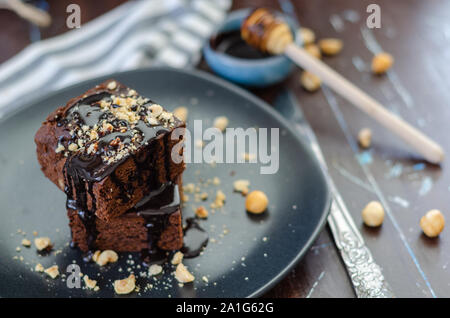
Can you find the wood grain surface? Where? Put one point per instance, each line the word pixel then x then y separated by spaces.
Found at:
pixel 417 34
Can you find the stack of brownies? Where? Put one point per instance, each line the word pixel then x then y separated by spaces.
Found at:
pixel 116 155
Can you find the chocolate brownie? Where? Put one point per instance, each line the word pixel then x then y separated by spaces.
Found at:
pixel 153 224
pixel 109 148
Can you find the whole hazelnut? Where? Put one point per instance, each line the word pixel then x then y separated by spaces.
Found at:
pixel 256 202
pixel 432 223
pixel 382 62
pixel 365 137
pixel 373 214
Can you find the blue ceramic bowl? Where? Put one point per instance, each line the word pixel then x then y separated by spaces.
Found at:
pixel 247 72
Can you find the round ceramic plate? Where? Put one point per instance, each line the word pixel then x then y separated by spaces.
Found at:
pixel 246 254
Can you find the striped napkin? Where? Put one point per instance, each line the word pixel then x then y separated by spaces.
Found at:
pixel 135 34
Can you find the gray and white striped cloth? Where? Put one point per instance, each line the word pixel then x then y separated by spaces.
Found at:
pixel 135 34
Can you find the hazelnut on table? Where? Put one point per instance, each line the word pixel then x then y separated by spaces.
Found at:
pixel 330 46
pixel 313 50
pixel 432 223
pixel 382 62
pixel 309 81
pixel 365 137
pixel 307 36
pixel 373 214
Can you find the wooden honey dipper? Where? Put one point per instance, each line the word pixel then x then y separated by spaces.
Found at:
pixel 261 29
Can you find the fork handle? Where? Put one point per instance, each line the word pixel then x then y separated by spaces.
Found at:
pixel 366 276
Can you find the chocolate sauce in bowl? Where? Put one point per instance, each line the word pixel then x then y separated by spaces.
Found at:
pixel 231 43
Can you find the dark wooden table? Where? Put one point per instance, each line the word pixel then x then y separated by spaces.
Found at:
pixel 417 34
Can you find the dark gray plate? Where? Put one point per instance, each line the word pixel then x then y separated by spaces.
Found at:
pixel 248 258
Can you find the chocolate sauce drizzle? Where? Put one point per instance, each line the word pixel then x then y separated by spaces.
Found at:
pixel 156 210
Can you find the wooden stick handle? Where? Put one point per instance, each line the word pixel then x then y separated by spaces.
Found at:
pixel 31 13
pixel 424 145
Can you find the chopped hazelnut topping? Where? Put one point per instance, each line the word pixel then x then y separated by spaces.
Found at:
pixel 153 121
pixel 26 242
pixel 73 147
pixel 96 255
pixel 155 269
pixel 125 286
pixel 106 257
pixel 53 271
pixel 90 283
pixel 219 201
pixel 111 85
pixel 122 113
pixel 93 135
pixel 156 110
pixel 183 275
pixel 181 113
pixel 201 212
pixel 60 148
pixel 241 186
pixel 39 268
pixel 42 243
pixel 177 258
pixel 221 123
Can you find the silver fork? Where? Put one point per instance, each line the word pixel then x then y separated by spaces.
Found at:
pixel 366 276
